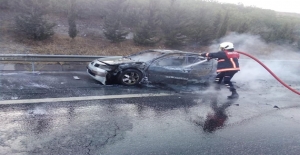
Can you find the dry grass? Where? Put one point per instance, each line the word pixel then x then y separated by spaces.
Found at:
pixel 5 27
pixel 7 41
pixel 64 45
pixel 61 43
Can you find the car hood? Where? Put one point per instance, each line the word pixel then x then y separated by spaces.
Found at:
pixel 115 60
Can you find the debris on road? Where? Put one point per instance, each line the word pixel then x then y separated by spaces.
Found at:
pixel 76 77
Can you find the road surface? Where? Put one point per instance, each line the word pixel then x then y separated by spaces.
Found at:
pixel 55 114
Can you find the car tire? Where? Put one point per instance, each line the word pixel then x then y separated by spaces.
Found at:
pixel 130 77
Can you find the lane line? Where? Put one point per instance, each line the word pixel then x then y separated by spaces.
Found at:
pixel 84 98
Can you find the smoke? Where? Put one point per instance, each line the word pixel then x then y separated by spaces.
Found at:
pixel 283 60
pixel 256 46
pixel 144 57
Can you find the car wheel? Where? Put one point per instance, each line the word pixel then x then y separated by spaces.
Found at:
pixel 130 77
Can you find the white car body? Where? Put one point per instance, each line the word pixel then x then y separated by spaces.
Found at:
pixel 99 74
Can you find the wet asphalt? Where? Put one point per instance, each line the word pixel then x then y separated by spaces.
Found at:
pixel 192 120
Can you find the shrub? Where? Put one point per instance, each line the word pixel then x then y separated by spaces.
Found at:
pixel 147 30
pixel 72 21
pixel 113 29
pixel 31 21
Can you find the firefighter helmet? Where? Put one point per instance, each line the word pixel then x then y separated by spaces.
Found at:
pixel 226 46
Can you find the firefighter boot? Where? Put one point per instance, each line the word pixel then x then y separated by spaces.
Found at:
pixel 234 94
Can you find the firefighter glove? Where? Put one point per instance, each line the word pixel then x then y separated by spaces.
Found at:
pixel 203 54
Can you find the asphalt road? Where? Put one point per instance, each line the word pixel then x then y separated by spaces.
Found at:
pixel 55 114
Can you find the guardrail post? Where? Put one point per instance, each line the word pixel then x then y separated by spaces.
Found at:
pixel 32 64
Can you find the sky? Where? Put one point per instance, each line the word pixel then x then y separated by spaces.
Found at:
pixel 291 6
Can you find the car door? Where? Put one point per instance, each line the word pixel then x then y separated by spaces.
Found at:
pixel 168 69
pixel 199 69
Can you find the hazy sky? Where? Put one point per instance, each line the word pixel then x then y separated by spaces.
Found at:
pixel 277 5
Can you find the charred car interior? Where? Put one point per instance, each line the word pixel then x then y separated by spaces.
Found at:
pixel 152 66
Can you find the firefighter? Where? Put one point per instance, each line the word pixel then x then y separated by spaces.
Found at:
pixel 227 66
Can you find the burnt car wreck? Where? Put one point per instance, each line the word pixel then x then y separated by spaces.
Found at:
pixel 152 66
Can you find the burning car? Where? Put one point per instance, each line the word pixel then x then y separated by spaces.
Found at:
pixel 152 66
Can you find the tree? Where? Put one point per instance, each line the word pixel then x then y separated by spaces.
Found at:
pixel 31 21
pixel 113 29
pixel 202 29
pixel 243 28
pixel 223 29
pixel 217 25
pixel 174 23
pixel 146 33
pixel 71 20
pixel 4 4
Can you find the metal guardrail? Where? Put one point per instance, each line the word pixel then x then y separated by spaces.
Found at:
pixel 49 58
pixel 70 58
pixel 33 58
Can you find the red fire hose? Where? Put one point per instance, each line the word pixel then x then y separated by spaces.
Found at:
pixel 293 90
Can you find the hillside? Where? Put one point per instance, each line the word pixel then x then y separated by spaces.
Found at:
pixel 199 30
pixel 90 40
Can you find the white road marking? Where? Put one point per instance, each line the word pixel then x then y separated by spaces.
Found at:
pixel 84 98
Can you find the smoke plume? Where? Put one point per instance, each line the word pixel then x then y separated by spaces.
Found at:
pixel 283 60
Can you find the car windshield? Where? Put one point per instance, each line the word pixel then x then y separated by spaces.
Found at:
pixel 145 55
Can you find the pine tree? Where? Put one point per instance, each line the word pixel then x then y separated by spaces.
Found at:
pixel 31 21
pixel 243 28
pixel 146 33
pixel 4 4
pixel 202 30
pixel 174 22
pixel 223 29
pixel 113 29
pixel 217 25
pixel 72 20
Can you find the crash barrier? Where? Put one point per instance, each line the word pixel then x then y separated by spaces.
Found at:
pixel 49 58
pixel 275 76
pixel 33 58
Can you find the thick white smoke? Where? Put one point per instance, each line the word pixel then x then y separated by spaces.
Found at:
pixel 255 46
pixel 283 60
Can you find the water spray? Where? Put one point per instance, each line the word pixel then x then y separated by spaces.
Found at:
pixel 284 84
pixel 194 64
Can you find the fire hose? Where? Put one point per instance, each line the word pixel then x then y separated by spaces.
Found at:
pixel 284 84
